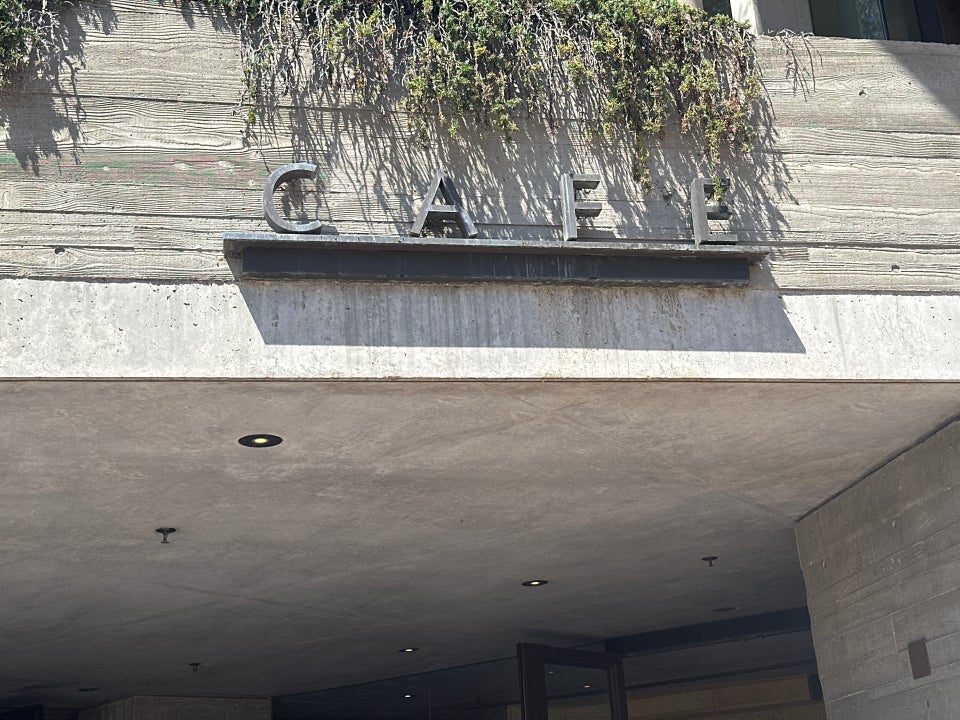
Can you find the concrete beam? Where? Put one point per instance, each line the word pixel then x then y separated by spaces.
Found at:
pixel 315 330
pixel 770 16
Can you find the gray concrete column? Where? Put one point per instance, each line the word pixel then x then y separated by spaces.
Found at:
pixel 882 567
pixel 147 707
pixel 696 4
pixel 770 16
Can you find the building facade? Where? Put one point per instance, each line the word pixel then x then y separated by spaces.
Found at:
pixel 705 448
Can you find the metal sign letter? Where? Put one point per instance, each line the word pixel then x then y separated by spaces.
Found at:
pixel 451 209
pixel 279 176
pixel 571 206
pixel 700 190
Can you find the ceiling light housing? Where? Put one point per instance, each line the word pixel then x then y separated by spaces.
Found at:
pixel 534 583
pixel 260 440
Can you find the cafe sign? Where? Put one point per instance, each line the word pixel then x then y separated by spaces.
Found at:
pixel 300 250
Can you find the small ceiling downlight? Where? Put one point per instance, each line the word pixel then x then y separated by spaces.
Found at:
pixel 534 583
pixel 408 649
pixel 260 440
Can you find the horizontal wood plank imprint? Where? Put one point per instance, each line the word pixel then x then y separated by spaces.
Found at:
pixel 136 165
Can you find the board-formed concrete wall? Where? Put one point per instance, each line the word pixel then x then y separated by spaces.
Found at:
pixel 882 568
pixel 118 181
pixel 133 166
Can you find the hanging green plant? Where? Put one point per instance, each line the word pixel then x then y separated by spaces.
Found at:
pixel 627 64
pixel 27 32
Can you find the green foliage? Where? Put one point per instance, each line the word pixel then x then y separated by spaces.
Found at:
pixel 628 64
pixel 26 31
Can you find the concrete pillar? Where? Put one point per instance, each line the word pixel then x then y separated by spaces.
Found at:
pixel 770 16
pixel 695 4
pixel 882 567
pixel 147 707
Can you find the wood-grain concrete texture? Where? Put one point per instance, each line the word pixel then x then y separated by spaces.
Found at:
pixel 882 569
pixel 132 166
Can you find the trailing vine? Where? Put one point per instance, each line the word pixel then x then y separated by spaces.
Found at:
pixel 627 64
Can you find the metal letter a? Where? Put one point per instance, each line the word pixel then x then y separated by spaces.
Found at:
pixel 451 208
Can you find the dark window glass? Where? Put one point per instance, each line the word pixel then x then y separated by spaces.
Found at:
pixel 950 20
pixel 717 7
pixel 926 20
pixel 848 18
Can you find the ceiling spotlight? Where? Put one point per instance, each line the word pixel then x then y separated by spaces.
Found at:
pixel 260 440
pixel 407 695
pixel 408 650
pixel 165 532
pixel 587 687
pixel 725 609
pixel 534 583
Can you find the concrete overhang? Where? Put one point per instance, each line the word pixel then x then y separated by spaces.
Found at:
pixel 401 513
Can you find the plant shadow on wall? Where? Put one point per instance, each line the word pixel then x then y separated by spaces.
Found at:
pixel 585 85
pixel 42 51
pixel 499 107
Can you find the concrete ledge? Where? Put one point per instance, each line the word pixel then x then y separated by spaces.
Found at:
pixel 339 330
pixel 427 259
pixel 234 242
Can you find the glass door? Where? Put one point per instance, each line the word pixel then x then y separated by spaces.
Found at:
pixel 564 684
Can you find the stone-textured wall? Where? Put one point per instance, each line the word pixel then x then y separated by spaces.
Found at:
pixel 882 568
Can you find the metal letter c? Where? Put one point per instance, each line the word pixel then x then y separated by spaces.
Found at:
pixel 278 177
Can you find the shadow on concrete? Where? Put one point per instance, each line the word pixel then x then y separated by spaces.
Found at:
pixel 519 316
pixel 42 112
pixel 374 171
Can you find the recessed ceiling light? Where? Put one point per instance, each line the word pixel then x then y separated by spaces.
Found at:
pixel 534 583
pixel 260 440
pixel 409 649
pixel 408 695
pixel 725 609
pixel 586 687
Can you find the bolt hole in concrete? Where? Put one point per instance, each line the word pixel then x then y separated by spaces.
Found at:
pixel 895 268
pixel 862 93
pixel 59 250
